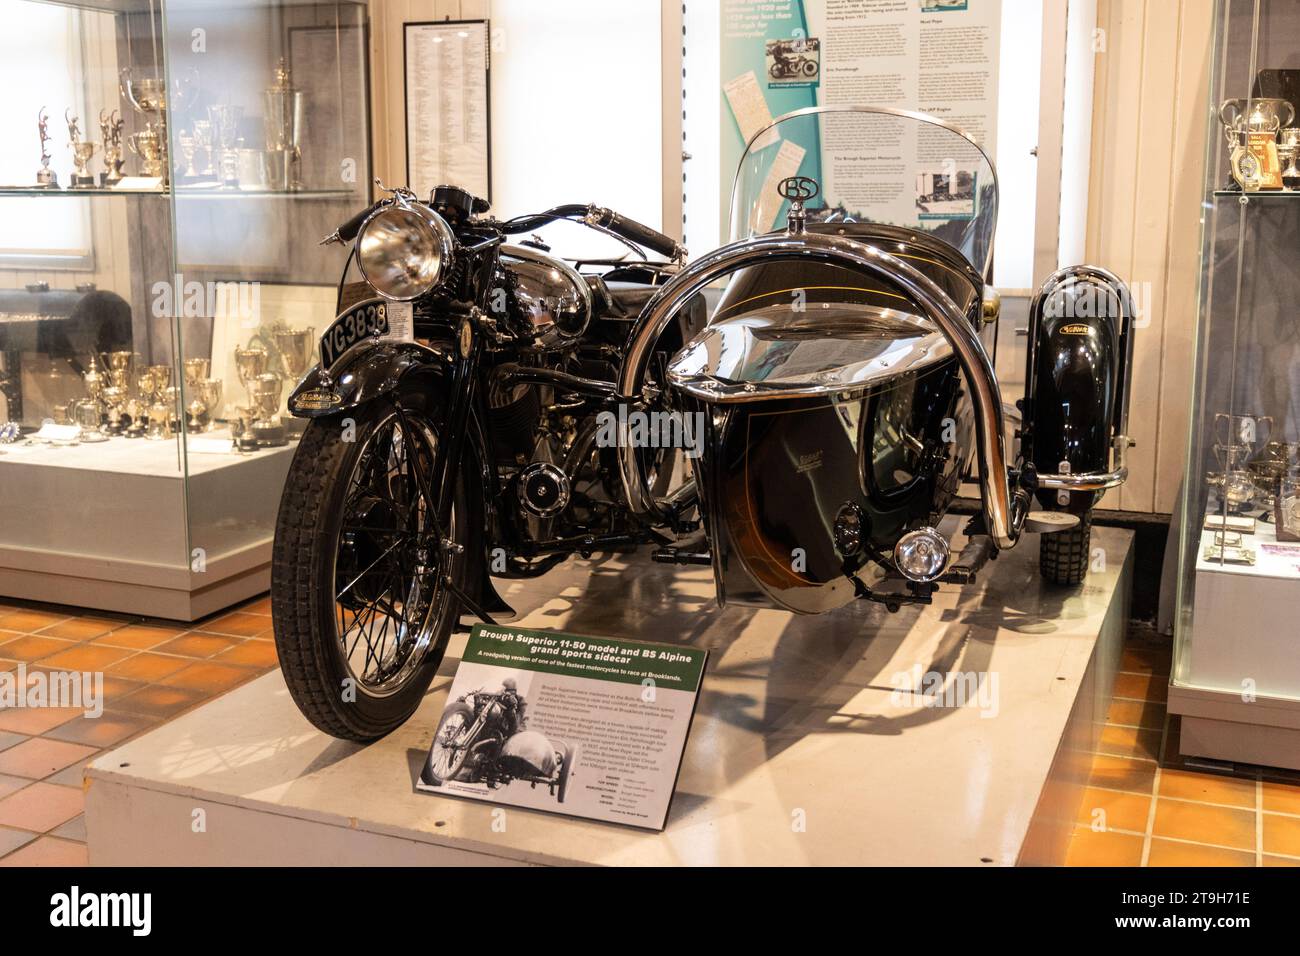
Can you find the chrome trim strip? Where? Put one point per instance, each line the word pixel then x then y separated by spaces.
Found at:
pixel 1093 480
pixel 1004 516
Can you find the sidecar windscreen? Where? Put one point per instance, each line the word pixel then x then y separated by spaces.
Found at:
pixel 872 164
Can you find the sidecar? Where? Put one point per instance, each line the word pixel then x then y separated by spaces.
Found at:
pixel 531 756
pixel 844 383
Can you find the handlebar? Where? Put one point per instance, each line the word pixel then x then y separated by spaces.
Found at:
pixel 598 217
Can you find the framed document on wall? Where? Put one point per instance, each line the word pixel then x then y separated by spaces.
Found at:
pixel 448 122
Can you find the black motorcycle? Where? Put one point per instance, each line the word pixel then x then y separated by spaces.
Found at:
pixel 483 409
pixel 481 738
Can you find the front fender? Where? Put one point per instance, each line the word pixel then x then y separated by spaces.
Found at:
pixel 365 372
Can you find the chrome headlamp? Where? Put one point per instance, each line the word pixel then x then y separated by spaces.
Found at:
pixel 404 249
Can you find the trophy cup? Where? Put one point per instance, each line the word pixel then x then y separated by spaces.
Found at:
pixel 110 131
pixel 148 145
pixel 241 428
pixel 293 348
pixel 46 178
pixel 94 380
pixel 249 364
pixel 282 123
pixel 114 398
pixel 225 125
pixel 196 370
pixel 210 394
pixel 202 138
pixel 267 428
pixel 1251 126
pixel 82 151
pixel 1288 152
pixel 87 413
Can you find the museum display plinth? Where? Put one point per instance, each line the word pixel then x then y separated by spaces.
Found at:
pixel 137 555
pixel 797 755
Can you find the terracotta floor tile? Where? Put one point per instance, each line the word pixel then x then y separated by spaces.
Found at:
pixel 1130 741
pixel 28 621
pixel 260 605
pixel 36 720
pixel 1089 848
pixel 10 785
pixel 86 657
pixel 1207 788
pixel 1114 810
pixel 1281 834
pixel 8 739
pixel 138 637
pixel 49 851
pixel 1173 853
pixel 1142 686
pixel 1147 657
pixel 196 645
pixel 11 840
pixel 1279 861
pixel 103 731
pixel 80 628
pixel 238 624
pixel 30 648
pixel 116 688
pixel 38 757
pixel 1281 797
pixel 41 807
pixel 1199 823
pixel 160 701
pixel 74 829
pixel 209 678
pixel 72 775
pixel 252 653
pixel 147 667
pixel 1122 773
pixel 1136 713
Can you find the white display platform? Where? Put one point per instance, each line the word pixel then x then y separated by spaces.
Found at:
pixel 797 754
pixel 112 525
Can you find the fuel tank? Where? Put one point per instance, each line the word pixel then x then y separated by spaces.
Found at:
pixel 550 303
pixel 819 389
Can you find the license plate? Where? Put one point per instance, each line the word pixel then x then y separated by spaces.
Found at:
pixel 371 318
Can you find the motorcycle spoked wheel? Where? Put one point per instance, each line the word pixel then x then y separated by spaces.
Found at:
pixel 361 617
pixel 809 68
pixel 446 760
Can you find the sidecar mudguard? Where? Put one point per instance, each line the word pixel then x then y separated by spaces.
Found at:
pixel 1077 386
pixel 531 749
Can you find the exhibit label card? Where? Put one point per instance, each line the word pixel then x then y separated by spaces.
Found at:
pixel 591 727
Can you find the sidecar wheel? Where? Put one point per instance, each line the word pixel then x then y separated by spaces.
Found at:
pixel 1063 555
pixel 360 614
pixel 570 752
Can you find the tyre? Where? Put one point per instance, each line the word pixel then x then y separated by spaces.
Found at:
pixel 570 753
pixel 361 613
pixel 446 759
pixel 1063 555
pixel 809 68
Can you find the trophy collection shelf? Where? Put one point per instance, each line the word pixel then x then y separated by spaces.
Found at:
pixel 1262 194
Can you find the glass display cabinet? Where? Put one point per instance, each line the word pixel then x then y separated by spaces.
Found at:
pixel 168 169
pixel 1236 675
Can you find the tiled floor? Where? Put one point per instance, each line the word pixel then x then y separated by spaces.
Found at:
pixel 1144 806
pixel 1147 806
pixel 152 672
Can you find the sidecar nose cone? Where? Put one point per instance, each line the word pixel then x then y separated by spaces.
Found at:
pixel 921 555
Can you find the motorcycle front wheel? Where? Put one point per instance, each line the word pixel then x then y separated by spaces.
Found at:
pixel 361 612
pixel 448 751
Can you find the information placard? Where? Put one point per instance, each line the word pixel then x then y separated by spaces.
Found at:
pixel 591 727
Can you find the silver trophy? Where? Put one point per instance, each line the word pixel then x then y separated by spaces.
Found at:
pixel 225 122
pixel 282 123
pixel 46 178
pixel 110 132
pixel 82 151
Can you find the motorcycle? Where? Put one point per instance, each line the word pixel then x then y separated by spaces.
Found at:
pixel 480 739
pixel 483 409
pixel 792 66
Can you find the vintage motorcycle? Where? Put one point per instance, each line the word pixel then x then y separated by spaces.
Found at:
pixel 792 66
pixel 480 739
pixel 484 409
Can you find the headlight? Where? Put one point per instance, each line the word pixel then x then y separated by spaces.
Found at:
pixel 403 250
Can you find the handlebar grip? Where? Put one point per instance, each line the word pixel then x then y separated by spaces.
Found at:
pixel 348 231
pixel 639 233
